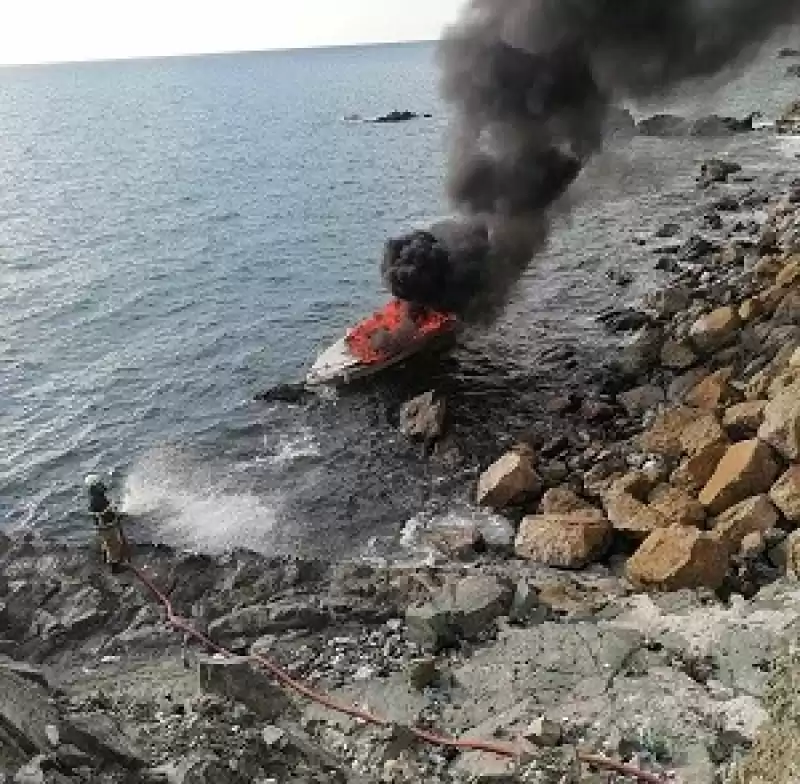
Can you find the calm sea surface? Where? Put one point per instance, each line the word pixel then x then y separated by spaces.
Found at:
pixel 177 235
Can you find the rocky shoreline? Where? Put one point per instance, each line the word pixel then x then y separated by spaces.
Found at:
pixel 628 599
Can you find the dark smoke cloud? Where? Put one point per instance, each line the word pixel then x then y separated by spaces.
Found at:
pixel 532 83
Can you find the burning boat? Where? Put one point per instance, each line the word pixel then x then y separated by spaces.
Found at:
pixel 390 335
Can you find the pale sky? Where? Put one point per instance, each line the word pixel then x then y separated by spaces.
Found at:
pixel 33 31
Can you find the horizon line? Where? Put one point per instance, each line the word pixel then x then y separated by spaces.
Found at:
pixel 214 53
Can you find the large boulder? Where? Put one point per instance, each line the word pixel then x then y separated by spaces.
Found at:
pixel 694 471
pixel 712 392
pixel 746 470
pixel 509 480
pixel 715 330
pixel 785 494
pixel 568 541
pixel 682 430
pixel 753 515
pixel 678 557
pixel 781 426
pixel 629 514
pixel 461 610
pixel 423 417
pixel 677 506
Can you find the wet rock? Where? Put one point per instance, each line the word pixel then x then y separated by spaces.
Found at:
pixel 643 350
pixel 695 249
pixel 509 480
pixel 781 426
pixel 567 541
pixel 462 610
pixel 715 330
pixel 669 301
pixel 717 170
pixel 459 541
pixel 642 399
pixel 753 515
pixel 793 70
pixel 747 469
pixel 623 320
pixel 712 392
pixel 396 117
pixel 717 125
pixel 785 494
pixel 678 557
pixel 668 230
pixel 663 125
pixel 619 122
pixel 236 678
pixel 677 355
pixel 742 420
pixel 423 417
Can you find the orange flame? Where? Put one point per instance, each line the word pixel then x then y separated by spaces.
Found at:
pixel 393 329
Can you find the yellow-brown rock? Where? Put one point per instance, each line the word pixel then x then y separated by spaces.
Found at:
pixel 746 470
pixel 750 309
pixel 753 515
pixel 789 276
pixel 757 386
pixel 676 506
pixel 715 330
pixel 569 541
pixel 695 471
pixel 768 267
pixel 678 557
pixel 785 494
pixel 744 417
pixel 788 377
pixel 700 433
pixel 680 430
pixel 629 515
pixel 509 479
pixel 712 392
pixel 563 500
pixel 771 297
pixel 781 426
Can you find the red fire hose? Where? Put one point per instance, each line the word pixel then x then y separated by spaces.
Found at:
pixel 283 677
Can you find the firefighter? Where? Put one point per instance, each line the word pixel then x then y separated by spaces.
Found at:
pixel 108 524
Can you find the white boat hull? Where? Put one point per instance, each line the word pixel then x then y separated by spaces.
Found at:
pixel 337 365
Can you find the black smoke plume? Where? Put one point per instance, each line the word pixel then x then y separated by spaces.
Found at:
pixel 532 83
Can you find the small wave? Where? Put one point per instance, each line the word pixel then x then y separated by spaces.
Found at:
pixel 193 509
pixel 295 447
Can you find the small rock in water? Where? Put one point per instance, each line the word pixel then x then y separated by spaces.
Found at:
pixel 423 417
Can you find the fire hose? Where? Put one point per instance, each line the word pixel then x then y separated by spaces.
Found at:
pixel 287 681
